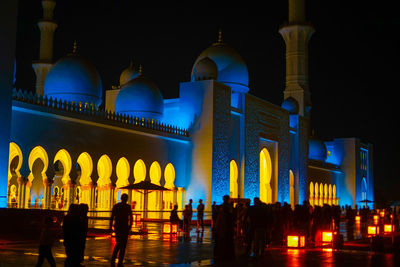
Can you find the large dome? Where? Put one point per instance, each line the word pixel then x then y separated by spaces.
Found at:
pixel 316 149
pixel 140 98
pixel 232 69
pixel 74 78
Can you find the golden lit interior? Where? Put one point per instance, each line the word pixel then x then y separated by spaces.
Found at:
pixel 292 241
pixel 291 189
pixel 265 176
pixel 233 185
pixel 154 198
pixel 104 170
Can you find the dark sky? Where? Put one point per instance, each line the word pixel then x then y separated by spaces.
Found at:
pixel 352 57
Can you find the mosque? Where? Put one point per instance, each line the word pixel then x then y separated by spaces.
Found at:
pixel 68 146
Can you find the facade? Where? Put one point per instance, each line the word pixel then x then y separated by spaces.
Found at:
pixel 215 139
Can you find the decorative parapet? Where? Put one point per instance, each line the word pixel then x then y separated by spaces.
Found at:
pixel 92 110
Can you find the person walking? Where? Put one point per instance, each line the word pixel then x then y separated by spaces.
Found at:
pixel 122 218
pixel 200 216
pixel 72 230
pixel 47 238
pixel 83 211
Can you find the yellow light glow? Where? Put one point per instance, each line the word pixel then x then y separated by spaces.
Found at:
pixel 373 230
pixel 167 228
pixel 265 176
pixel 327 236
pixel 388 228
pixel 139 171
pixel 155 173
pixel 358 219
pixel 382 213
pixel 169 175
pixel 122 170
pixel 234 185
pixel 292 241
pixel 302 241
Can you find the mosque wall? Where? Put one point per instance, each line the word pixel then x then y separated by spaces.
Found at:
pixel 33 126
pixel 269 122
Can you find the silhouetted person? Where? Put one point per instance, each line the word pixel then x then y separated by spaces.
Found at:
pixel 72 229
pixel 174 218
pixel 186 219
pixel 224 249
pixel 214 215
pixel 47 238
pixel 191 210
pixel 200 215
pixel 258 221
pixel 83 210
pixel 122 215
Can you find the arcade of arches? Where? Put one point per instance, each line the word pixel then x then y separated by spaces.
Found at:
pixel 40 191
pixel 321 194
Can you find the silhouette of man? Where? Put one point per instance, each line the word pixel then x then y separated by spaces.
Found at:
pixel 122 215
pixel 200 215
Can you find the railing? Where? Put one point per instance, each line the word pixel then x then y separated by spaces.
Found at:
pixel 92 110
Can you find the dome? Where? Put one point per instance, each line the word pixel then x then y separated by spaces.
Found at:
pixel 205 69
pixel 316 149
pixel 232 69
pixel 128 74
pixel 291 105
pixel 74 78
pixel 140 98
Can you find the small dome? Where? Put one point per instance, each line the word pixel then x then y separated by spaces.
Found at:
pixel 205 69
pixel 75 79
pixel 316 149
pixel 291 105
pixel 128 74
pixel 140 98
pixel 232 69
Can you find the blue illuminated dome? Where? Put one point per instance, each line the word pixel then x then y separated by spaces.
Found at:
pixel 205 69
pixel 316 149
pixel 128 74
pixel 291 105
pixel 74 78
pixel 232 70
pixel 140 98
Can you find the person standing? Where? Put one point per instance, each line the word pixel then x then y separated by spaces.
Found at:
pixel 191 211
pixel 72 229
pixel 186 219
pixel 200 215
pixel 224 249
pixel 47 238
pixel 122 218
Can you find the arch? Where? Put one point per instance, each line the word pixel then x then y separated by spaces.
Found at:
pixel 86 164
pixel 169 176
pixel 38 152
pixel 139 171
pixel 104 170
pixel 155 173
pixel 122 169
pixel 325 193
pixel 291 188
pixel 233 185
pixel 316 190
pixel 330 194
pixel 63 156
pixel 265 176
pixel 364 189
pixel 321 194
pixel 334 195
pixel 15 151
pixel 311 193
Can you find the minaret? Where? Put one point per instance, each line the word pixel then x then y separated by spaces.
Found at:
pixel 296 33
pixel 47 27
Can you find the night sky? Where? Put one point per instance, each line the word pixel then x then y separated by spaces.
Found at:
pixel 353 57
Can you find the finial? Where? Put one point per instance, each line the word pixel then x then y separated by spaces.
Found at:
pixel 75 47
pixel 140 69
pixel 219 36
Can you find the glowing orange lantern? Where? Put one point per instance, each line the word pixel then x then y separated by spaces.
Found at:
pixel 296 241
pixel 373 230
pixel 358 219
pixel 327 237
pixel 388 228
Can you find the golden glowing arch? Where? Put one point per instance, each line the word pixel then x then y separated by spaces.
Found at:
pixel 291 188
pixel 233 185
pixel 311 189
pixel 265 176
pixel 104 170
pixel 123 169
pixel 169 175
pixel 38 152
pixel 65 159
pixel 86 164
pixel 139 171
pixel 15 151
pixel 155 173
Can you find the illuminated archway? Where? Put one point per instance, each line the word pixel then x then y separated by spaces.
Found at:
pixel 291 188
pixel 62 166
pixel 85 163
pixel 330 195
pixel 15 159
pixel 364 189
pixel 139 171
pixel 168 196
pixel 154 198
pixel 15 151
pixel 325 194
pixel 321 194
pixel 104 170
pixel 123 170
pixel 335 201
pixel 311 193
pixel 265 176
pixel 233 185
pixel 38 194
pixel 316 190
pixel 65 159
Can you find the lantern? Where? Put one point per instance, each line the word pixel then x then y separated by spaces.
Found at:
pixel 296 241
pixel 388 228
pixel 373 230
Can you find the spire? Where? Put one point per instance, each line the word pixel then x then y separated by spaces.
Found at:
pixel 219 41
pixel 75 48
pixel 140 70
